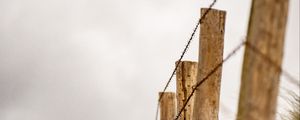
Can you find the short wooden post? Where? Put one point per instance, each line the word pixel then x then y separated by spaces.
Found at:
pixel 206 105
pixel 167 106
pixel 186 75
pixel 260 79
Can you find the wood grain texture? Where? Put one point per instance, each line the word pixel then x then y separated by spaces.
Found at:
pixel 167 106
pixel 206 105
pixel 260 80
pixel 186 75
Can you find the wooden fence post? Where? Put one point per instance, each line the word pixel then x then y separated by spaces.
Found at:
pixel 167 106
pixel 206 102
pixel 260 80
pixel 186 75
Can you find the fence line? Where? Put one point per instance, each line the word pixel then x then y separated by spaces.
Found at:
pixel 233 52
pixel 182 55
pixel 267 59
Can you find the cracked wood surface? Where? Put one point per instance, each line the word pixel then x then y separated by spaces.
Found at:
pixel 186 75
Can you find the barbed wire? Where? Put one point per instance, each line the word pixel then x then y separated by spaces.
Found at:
pixel 233 52
pixel 254 49
pixel 182 55
pixel 283 72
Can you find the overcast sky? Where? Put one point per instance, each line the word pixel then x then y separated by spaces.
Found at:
pixel 108 59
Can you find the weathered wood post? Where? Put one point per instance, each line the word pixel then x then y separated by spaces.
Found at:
pixel 206 102
pixel 167 106
pixel 186 75
pixel 260 80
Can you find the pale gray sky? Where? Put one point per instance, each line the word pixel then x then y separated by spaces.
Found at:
pixel 108 59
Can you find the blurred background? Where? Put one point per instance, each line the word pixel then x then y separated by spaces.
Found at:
pixel 108 59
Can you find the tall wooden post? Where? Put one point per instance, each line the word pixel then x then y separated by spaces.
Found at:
pixel 206 105
pixel 260 80
pixel 167 106
pixel 186 75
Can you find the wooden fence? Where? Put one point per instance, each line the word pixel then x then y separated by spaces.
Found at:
pixel 198 83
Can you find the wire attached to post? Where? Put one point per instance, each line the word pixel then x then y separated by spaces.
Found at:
pixel 182 55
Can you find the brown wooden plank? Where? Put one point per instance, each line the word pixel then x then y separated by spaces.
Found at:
pixel 206 105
